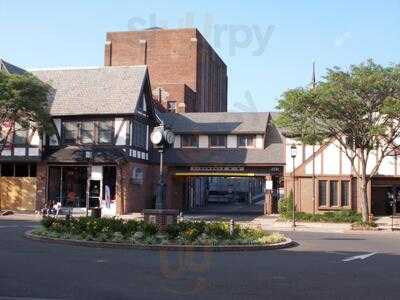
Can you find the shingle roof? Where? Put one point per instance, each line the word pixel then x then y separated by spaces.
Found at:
pixel 272 155
pixel 104 90
pixel 221 122
pixel 11 69
pixel 73 154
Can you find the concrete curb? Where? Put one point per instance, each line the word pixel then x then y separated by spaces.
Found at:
pixel 286 244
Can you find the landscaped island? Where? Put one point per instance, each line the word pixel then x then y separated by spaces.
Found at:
pixel 140 233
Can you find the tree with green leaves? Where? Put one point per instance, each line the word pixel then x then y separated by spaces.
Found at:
pixel 23 106
pixel 358 109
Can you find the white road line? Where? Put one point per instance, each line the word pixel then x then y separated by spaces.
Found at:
pixel 361 257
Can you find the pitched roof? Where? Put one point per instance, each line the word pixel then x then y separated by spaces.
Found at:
pixel 221 122
pixel 9 68
pixel 89 91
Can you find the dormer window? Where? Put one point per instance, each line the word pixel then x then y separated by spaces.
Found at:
pixel 218 140
pixel 190 140
pixel 246 141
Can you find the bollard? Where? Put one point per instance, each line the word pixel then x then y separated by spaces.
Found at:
pixel 231 227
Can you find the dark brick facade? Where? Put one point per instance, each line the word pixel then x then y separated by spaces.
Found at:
pixel 181 62
pixel 133 196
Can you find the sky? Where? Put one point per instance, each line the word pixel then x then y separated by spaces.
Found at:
pixel 268 46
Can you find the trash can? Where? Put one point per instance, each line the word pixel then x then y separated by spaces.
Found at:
pixel 96 212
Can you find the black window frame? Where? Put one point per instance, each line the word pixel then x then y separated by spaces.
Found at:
pixel 110 129
pixel 246 137
pixel 333 193
pixel 71 141
pixel 219 137
pixel 139 134
pixel 345 202
pixel 322 202
pixel 194 141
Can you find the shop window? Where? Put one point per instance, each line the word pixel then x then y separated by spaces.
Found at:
pixel 345 193
pixel 69 132
pixel 189 140
pixel 87 132
pixel 105 132
pixel 322 192
pixel 7 170
pixel 217 140
pixel 171 106
pixel 22 170
pixel 246 141
pixel 333 193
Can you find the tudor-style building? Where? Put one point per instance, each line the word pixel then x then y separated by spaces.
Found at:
pixel 102 119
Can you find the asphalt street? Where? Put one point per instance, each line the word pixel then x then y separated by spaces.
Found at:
pixel 322 266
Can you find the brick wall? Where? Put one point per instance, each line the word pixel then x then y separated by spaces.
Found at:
pixel 41 185
pixel 132 196
pixel 176 56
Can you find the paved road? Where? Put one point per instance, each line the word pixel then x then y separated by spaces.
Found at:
pixel 313 270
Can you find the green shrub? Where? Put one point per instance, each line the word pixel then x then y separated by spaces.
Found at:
pixel 184 233
pixel 347 216
pixel 285 206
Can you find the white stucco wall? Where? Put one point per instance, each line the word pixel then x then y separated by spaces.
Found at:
pixel 177 143
pixel 331 157
pixel 120 134
pixel 232 141
pixel 203 141
pixel 259 141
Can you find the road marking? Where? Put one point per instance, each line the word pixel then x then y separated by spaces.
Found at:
pixel 361 257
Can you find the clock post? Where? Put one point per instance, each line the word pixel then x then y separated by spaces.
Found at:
pixel 162 138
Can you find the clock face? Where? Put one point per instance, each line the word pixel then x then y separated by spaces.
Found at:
pixel 156 137
pixel 170 137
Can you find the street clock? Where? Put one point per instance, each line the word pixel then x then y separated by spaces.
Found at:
pixel 162 137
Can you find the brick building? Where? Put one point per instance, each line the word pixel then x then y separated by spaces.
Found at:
pixel 187 75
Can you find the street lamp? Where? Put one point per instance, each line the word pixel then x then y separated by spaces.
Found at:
pixel 293 154
pixel 162 138
pixel 88 157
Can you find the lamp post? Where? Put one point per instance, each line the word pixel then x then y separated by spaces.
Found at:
pixel 89 158
pixel 162 138
pixel 293 154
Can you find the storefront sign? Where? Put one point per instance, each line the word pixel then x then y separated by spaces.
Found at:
pixel 217 169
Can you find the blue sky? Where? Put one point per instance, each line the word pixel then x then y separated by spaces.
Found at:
pixel 269 46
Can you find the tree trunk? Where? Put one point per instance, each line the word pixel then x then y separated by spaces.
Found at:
pixel 364 199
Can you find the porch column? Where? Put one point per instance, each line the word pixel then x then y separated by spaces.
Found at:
pixel 268 197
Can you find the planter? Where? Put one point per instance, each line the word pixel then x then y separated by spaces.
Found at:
pixel 282 245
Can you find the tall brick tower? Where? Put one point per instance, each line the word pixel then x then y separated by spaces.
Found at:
pixel 185 71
